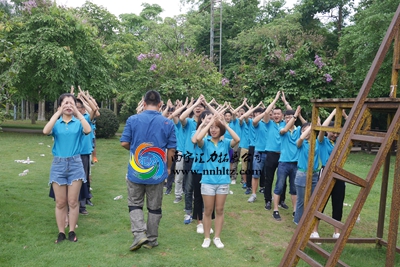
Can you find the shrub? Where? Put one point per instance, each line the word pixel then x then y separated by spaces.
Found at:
pixel 106 124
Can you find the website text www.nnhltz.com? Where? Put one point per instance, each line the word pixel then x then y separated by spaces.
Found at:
pixel 218 171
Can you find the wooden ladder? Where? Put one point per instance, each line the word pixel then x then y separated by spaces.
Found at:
pixel 355 129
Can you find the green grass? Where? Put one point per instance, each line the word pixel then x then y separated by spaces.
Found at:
pixel 250 234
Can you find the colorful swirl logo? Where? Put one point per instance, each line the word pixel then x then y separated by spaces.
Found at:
pixel 148 161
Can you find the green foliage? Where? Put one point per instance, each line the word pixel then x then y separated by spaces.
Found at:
pixel 361 41
pixel 57 49
pixel 175 77
pixel 106 124
pixel 280 56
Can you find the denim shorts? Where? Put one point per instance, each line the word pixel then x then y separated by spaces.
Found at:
pixel 214 189
pixel 66 170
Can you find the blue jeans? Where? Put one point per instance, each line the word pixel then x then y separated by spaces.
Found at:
pixel 188 179
pixel 300 182
pixel 285 169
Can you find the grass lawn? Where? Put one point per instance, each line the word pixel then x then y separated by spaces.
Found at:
pixel 251 236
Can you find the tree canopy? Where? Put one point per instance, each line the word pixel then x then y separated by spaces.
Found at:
pixel 318 49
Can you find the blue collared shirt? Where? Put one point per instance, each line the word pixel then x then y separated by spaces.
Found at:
pixel 150 134
pixel 67 138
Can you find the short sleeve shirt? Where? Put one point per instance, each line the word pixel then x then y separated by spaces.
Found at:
pixel 150 134
pixel 67 138
pixel 216 169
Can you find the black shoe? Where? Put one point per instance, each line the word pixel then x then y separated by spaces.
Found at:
pixel 268 205
pixel 283 205
pixel 248 191
pixel 89 202
pixel 168 191
pixel 261 190
pixel 61 237
pixel 293 214
pixel 72 236
pixel 84 212
pixel 276 215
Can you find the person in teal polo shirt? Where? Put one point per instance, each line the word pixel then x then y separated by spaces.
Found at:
pixel 68 127
pixel 301 174
pixel 215 174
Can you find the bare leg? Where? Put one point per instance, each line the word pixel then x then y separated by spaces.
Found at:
pixel 73 203
pixel 219 214
pixel 60 193
pixel 209 202
pixel 254 185
pixel 294 200
pixel 276 201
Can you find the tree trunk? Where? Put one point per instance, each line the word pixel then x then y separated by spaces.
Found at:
pixel 32 109
pixel 27 114
pixel 115 106
pixel 41 111
pixel 7 108
pixel 22 109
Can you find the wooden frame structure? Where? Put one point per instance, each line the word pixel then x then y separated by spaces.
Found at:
pixel 356 128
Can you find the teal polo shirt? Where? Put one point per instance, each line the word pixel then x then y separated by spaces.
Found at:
pixel 244 135
pixel 273 137
pixel 289 151
pixel 190 126
pixel 87 139
pixel 67 138
pixel 302 163
pixel 235 126
pixel 260 136
pixel 216 169
pixel 325 149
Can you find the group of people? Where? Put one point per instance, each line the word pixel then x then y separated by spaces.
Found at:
pixel 205 141
pixel 197 145
pixel 72 128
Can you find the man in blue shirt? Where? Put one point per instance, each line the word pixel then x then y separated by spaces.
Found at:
pixel 151 140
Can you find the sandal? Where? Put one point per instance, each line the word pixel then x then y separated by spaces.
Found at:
pixel 72 236
pixel 61 237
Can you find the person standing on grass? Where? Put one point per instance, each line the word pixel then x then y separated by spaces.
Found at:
pixel 179 150
pixel 303 146
pixel 327 141
pixel 287 166
pixel 215 178
pixel 189 125
pixel 150 138
pixel 274 124
pixel 68 127
pixel 86 150
pixel 197 169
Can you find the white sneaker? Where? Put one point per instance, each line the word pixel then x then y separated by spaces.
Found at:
pixel 211 231
pixel 336 235
pixel 206 242
pixel 200 229
pixel 314 235
pixel 233 182
pixel 252 198
pixel 218 243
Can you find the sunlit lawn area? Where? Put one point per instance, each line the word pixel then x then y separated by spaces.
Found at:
pixel 251 236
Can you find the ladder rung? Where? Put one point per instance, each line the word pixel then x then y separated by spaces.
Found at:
pixel 367 138
pixel 348 177
pixel 324 253
pixel 371 133
pixel 329 220
pixel 308 259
